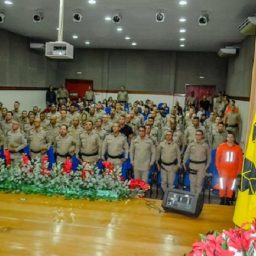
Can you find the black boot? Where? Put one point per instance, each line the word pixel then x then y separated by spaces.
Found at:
pixel 228 201
pixel 222 201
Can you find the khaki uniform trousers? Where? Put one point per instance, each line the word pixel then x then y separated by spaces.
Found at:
pixel 196 177
pixel 168 173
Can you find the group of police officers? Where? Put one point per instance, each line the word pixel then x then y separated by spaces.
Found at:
pixel 144 133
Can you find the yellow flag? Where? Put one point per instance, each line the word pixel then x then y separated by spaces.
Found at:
pixel 245 210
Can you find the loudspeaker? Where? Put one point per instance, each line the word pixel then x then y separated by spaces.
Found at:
pixel 183 202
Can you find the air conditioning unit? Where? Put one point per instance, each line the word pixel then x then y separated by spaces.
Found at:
pixel 248 27
pixel 37 46
pixel 59 50
pixel 225 52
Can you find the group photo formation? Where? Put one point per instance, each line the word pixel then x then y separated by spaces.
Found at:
pixel 128 127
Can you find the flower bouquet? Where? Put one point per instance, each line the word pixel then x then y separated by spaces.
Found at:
pixel 232 242
pixel 92 181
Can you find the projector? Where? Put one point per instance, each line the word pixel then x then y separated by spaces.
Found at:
pixel 59 50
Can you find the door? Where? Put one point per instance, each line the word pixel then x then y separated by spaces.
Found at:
pixel 77 88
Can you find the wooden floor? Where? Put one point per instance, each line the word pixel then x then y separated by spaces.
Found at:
pixel 50 226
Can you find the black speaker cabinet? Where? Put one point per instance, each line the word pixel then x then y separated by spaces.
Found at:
pixel 183 202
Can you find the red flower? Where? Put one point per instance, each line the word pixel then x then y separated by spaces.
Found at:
pixel 7 155
pixel 108 165
pixel 25 159
pixel 141 184
pixel 85 174
pixel 67 167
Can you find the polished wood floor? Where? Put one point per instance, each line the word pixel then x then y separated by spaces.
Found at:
pixel 51 226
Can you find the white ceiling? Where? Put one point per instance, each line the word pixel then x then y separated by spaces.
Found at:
pixel 138 22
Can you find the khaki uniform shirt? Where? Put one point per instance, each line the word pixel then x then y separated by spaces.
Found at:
pixel 89 95
pixel 90 143
pixel 122 96
pixel 115 145
pixel 6 126
pixel 168 153
pixel 15 140
pixel 198 152
pixel 52 132
pixel 75 132
pixel 38 140
pixel 190 132
pixel 65 145
pixel 217 138
pixel 101 133
pixel 142 153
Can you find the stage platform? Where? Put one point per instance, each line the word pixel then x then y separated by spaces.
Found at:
pixel 50 226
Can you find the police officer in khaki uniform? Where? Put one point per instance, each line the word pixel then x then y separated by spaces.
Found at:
pixel 63 118
pixel 142 154
pixel 38 140
pixel 75 129
pixel 16 111
pixel 89 144
pixel 52 129
pixel 218 136
pixel 106 124
pixel 30 124
pixel 64 145
pixel 115 147
pixel 89 95
pixel 168 160
pixel 199 156
pixel 233 120
pixel 6 124
pixel 98 129
pixel 122 95
pixel 189 134
pixel 44 122
pixel 15 141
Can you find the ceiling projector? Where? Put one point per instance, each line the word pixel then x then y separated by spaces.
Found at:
pixel 59 50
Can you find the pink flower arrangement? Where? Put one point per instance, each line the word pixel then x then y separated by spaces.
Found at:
pixel 232 242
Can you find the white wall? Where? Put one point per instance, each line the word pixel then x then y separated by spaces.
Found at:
pixel 27 99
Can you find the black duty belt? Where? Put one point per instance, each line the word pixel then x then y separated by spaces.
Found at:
pixel 65 155
pixel 115 157
pixel 232 125
pixel 36 152
pixel 191 171
pixel 91 154
pixel 197 162
pixel 21 151
pixel 171 163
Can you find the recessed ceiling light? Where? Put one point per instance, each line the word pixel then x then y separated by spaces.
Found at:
pixel 108 18
pixel 133 43
pixel 119 29
pixel 127 38
pixel 183 2
pixel 182 45
pixel 87 42
pixel 57 28
pixel 91 1
pixel 182 19
pixel 183 30
pixel 75 36
pixel 8 2
pixel 182 39
pixel 201 77
pixel 79 72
